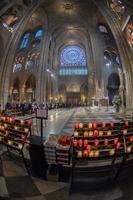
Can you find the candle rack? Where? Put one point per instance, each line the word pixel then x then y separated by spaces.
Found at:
pixel 102 141
pixel 13 135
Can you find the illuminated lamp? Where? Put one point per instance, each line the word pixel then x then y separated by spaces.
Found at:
pixel 101 133
pixel 90 125
pixel 106 142
pixel 90 133
pixel 76 134
pixel 103 124
pixel 86 134
pixel 112 152
pixel 79 154
pixel 125 132
pixel 129 149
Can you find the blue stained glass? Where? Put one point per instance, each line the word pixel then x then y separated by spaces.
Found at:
pixel 73 55
pixel 64 72
pixel 39 33
pixel 25 40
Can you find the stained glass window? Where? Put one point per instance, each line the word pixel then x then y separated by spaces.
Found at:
pixel 73 55
pixel 17 67
pixel 25 41
pixel 73 61
pixel 39 33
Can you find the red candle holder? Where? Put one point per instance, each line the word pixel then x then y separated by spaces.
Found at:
pixel 118 145
pixel 77 125
pixel 96 133
pixel 80 143
pixel 85 143
pixel 96 143
pixel 131 138
pixel 95 125
pixel 75 143
pixel 106 142
pixel 103 124
pixel 126 123
pixel 112 124
pixel 85 153
pixel 88 148
pixel 116 140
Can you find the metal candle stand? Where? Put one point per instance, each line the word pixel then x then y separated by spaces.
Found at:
pixel 13 135
pixel 122 148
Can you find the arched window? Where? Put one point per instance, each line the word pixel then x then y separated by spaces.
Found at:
pixel 25 40
pixel 38 33
pixel 17 67
pixel 103 29
pixel 73 61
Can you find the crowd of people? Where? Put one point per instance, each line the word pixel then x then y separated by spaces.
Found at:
pixel 31 107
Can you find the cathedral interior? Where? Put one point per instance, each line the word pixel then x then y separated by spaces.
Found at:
pixel 66 99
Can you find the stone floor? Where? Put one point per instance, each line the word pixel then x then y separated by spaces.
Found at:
pixel 15 184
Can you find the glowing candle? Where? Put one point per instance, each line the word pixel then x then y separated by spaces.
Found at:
pixel 86 134
pixel 79 154
pixel 129 149
pixel 80 125
pixel 112 152
pixel 76 134
pixel 124 132
pixel 90 125
pixel 90 133
pixel 96 153
pixel 109 133
pixel 101 133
